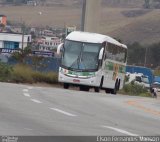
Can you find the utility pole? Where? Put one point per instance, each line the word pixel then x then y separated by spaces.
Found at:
pixel 145 57
pixel 83 15
pixel 22 28
pixel 90 15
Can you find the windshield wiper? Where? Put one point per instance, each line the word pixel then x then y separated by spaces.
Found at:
pixel 76 61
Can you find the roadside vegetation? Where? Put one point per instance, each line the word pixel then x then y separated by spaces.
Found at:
pixel 5 72
pixel 133 89
pixel 145 55
pixel 157 71
pixel 22 73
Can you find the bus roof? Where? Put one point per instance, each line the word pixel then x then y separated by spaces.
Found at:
pixel 92 38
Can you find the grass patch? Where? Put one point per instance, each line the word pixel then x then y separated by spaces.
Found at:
pixel 5 72
pixel 50 77
pixel 25 74
pixel 135 90
pixel 22 74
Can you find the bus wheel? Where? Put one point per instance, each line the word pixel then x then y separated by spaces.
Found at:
pixel 65 85
pixel 108 90
pixel 96 89
pixel 101 82
pixel 114 91
pixel 84 88
pixel 119 83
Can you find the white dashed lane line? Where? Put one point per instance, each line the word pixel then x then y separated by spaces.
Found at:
pixel 36 101
pixel 28 129
pixel 29 87
pixel 120 130
pixel 63 112
pixel 25 90
pixel 26 94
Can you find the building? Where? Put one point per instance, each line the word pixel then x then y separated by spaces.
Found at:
pixel 70 29
pixel 31 3
pixel 16 29
pixel 47 43
pixel 3 20
pixel 47 33
pixel 11 41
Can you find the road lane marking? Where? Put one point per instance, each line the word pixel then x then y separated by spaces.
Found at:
pixel 28 129
pixel 26 94
pixel 36 101
pixel 29 87
pixel 145 109
pixel 25 90
pixel 120 130
pixel 63 112
pixel 39 87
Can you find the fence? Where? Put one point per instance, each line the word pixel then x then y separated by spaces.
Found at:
pixel 45 64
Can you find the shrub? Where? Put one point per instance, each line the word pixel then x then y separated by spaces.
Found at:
pixel 157 72
pixel 22 74
pixel 135 90
pixel 50 77
pixel 5 72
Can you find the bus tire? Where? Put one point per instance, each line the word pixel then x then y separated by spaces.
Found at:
pixel 119 83
pixel 65 85
pixel 107 90
pixel 114 91
pixel 96 89
pixel 84 88
pixel 101 84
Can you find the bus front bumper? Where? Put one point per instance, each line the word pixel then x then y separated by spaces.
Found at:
pixel 91 81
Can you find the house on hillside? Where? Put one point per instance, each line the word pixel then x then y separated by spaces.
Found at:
pixel 31 3
pixel 47 33
pixel 9 42
pixel 47 43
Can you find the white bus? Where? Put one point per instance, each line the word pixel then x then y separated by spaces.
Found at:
pixel 91 60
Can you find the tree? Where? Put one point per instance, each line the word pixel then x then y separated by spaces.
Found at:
pixel 157 4
pixel 157 1
pixel 155 52
pixel 9 1
pixel 136 54
pixel 22 54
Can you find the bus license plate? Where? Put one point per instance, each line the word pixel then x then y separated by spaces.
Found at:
pixel 76 80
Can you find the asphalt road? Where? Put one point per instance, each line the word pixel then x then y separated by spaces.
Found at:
pixel 47 111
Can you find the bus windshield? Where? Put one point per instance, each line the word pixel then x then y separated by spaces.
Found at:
pixel 80 55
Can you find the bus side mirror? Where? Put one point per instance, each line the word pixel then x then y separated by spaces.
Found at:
pixel 60 48
pixel 101 54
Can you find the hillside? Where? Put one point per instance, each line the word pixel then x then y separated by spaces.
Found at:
pixel 119 20
pixel 111 3
pixel 138 26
